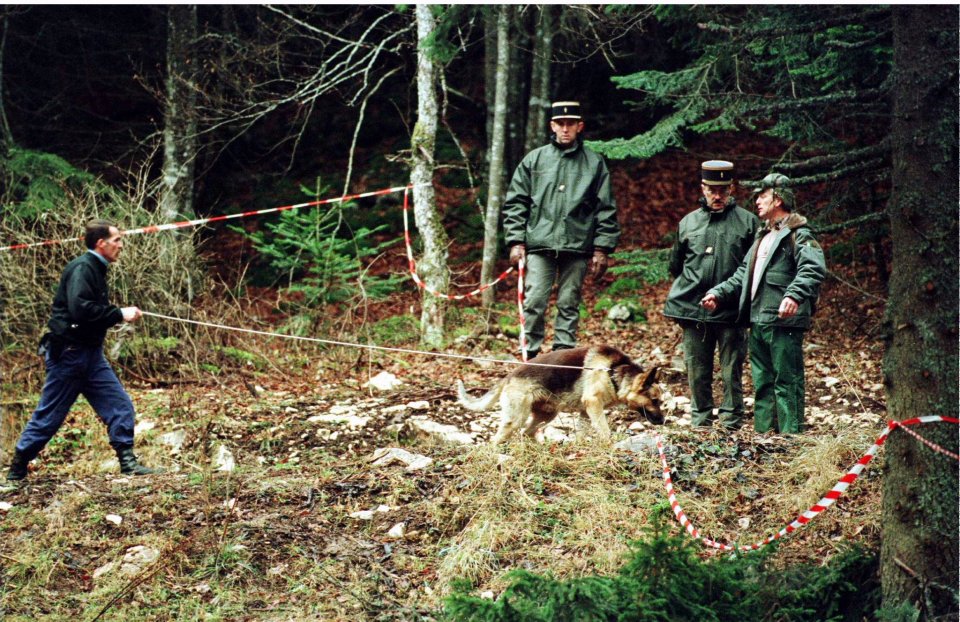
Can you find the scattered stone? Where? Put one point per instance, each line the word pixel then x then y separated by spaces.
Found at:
pixel 639 444
pixel 350 420
pixel 414 462
pixel 223 460
pixel 830 381
pixel 174 440
pixel 113 518
pixel 443 432
pixel 384 381
pixel 397 531
pixel 620 313
pixel 744 522
pixel 143 426
pixel 369 514
pixel 5 507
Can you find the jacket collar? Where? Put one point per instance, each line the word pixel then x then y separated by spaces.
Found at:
pixel 567 150
pixel 731 203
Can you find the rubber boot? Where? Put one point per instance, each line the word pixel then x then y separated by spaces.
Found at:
pixel 18 467
pixel 129 465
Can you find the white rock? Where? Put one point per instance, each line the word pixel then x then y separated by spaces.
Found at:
pixel 446 433
pixel 830 381
pixel 223 460
pixel 397 530
pixel 825 398
pixel 350 420
pixel 343 409
pixel 488 595
pixel 388 455
pixel 143 426
pixel 113 518
pixel 362 515
pixel 639 444
pixel 748 402
pixel 5 507
pixel 174 440
pixel 136 559
pixel 102 570
pixel 421 405
pixel 744 522
pixel 384 381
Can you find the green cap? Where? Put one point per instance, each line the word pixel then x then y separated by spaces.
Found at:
pixel 780 184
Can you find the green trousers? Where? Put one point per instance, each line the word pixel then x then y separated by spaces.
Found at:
pixel 700 341
pixel 567 270
pixel 776 357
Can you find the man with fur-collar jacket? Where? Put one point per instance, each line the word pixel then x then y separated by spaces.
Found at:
pixel 711 244
pixel 777 285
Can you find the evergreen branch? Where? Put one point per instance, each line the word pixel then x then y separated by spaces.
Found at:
pixel 770 32
pixel 818 162
pixel 834 175
pixel 849 224
pixel 870 96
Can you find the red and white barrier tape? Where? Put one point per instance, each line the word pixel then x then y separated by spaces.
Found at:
pixel 204 221
pixel 807 516
pixel 359 345
pixel 483 286
pixel 413 265
pixel 933 446
pixel 523 328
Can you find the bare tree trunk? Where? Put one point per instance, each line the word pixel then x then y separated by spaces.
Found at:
pixel 433 264
pixel 180 116
pixel 490 15
pixel 540 81
pixel 918 555
pixel 518 86
pixel 497 148
pixel 6 136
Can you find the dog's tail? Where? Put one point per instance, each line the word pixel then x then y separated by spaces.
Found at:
pixel 482 403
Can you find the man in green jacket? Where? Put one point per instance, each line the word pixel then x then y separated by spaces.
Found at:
pixel 777 285
pixel 560 217
pixel 711 244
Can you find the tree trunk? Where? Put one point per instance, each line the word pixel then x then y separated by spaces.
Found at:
pixel 518 91
pixel 920 492
pixel 540 81
pixel 180 116
pixel 432 267
pixel 497 148
pixel 490 16
pixel 6 136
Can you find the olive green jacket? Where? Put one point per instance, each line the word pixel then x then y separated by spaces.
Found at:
pixel 710 247
pixel 560 200
pixel 795 267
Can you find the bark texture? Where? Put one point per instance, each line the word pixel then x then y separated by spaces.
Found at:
pixel 540 81
pixel 920 495
pixel 180 115
pixel 497 150
pixel 432 266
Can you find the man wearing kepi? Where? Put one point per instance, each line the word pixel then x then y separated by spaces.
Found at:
pixel 559 215
pixel 73 354
pixel 777 286
pixel 711 244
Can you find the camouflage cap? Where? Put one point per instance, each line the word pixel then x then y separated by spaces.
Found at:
pixel 780 184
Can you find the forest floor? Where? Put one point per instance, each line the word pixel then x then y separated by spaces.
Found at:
pixel 276 504
pixel 309 525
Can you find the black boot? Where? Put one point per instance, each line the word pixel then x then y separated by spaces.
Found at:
pixel 129 465
pixel 18 467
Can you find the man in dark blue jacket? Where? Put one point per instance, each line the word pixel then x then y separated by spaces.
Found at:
pixel 73 354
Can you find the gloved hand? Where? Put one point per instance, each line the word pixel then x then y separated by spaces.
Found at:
pixel 598 266
pixel 517 252
pixel 130 314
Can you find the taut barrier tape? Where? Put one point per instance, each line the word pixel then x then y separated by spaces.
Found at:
pixel 814 510
pixel 203 221
pixel 483 286
pixel 362 346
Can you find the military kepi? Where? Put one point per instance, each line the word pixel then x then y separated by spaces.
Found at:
pixel 565 110
pixel 717 172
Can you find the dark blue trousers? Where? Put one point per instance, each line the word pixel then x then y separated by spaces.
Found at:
pixel 79 370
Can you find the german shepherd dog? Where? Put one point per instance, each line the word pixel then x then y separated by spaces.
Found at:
pixel 531 396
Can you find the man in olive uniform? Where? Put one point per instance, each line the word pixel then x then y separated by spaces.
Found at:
pixel 777 285
pixel 560 217
pixel 711 244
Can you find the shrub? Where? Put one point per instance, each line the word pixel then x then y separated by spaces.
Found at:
pixel 651 267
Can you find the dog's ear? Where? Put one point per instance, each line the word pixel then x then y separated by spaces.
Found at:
pixel 649 377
